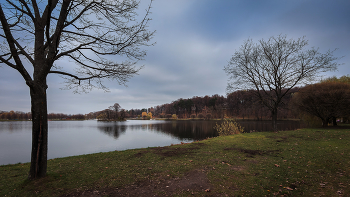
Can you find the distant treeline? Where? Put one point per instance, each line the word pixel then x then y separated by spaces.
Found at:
pixel 240 104
pixel 15 115
pixel 18 115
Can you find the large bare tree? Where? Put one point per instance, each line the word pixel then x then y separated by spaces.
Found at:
pixel 274 66
pixel 84 41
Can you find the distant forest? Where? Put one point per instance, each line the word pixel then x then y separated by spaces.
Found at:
pixel 18 115
pixel 326 100
pixel 241 104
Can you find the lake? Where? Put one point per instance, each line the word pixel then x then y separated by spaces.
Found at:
pixel 68 138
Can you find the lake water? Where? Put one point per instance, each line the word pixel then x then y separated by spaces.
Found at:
pixel 68 138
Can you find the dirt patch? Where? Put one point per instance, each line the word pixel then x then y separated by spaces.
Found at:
pixel 192 182
pixel 237 168
pixel 279 138
pixel 252 153
pixel 141 153
pixel 170 151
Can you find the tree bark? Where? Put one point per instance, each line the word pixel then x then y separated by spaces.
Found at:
pixel 334 119
pixel 325 122
pixel 274 119
pixel 39 130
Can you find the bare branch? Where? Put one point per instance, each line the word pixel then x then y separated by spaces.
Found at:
pixel 27 11
pixel 11 42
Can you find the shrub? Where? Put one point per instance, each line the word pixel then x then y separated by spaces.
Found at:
pixel 201 116
pixel 208 116
pixel 146 117
pixel 228 127
pixel 174 116
pixel 193 116
pixel 168 116
pixel 102 116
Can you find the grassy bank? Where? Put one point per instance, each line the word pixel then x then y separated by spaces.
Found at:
pixel 306 162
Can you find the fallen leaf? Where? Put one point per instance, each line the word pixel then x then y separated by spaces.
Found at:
pixel 277 165
pixel 207 190
pixel 288 188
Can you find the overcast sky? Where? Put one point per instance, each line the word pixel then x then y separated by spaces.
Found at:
pixel 195 39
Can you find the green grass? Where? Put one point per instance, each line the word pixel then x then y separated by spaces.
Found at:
pixel 306 162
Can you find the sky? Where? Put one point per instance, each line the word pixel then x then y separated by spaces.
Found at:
pixel 195 39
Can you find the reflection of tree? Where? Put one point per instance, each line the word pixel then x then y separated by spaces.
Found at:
pixel 113 130
pixel 258 126
pixel 186 130
pixel 192 130
pixel 181 130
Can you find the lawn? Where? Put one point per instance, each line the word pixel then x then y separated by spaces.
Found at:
pixel 305 162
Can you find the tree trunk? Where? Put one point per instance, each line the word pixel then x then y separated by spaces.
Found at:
pixel 274 119
pixel 334 121
pixel 39 131
pixel 325 122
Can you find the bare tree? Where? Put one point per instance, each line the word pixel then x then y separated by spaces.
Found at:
pixel 79 40
pixel 274 67
pixel 116 108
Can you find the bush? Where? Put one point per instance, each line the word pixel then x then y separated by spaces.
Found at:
pixel 146 117
pixel 201 116
pixel 174 116
pixel 228 127
pixel 102 116
pixel 208 116
pixel 168 116
pixel 193 116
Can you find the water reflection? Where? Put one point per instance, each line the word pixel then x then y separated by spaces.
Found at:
pixel 113 130
pixel 188 130
pixel 258 126
pixel 15 126
pixel 181 130
pixel 68 138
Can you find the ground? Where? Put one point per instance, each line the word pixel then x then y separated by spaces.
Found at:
pixel 193 182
